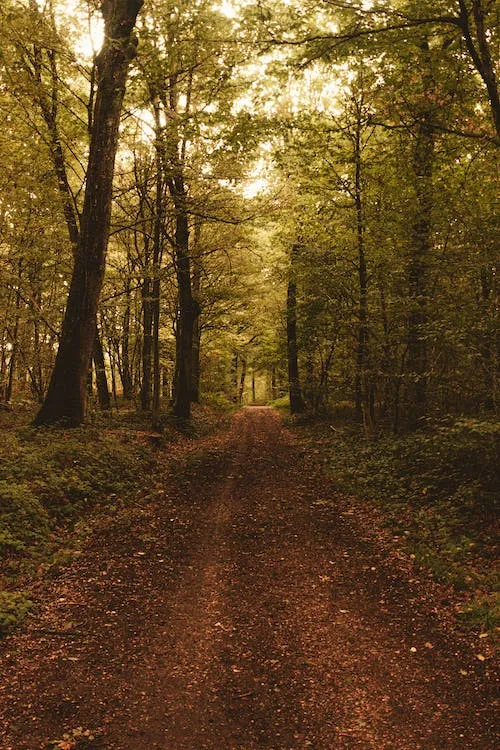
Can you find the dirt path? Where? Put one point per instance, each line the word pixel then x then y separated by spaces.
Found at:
pixel 242 606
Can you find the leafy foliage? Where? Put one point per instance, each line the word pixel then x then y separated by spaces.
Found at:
pixel 13 609
pixel 49 483
pixel 438 490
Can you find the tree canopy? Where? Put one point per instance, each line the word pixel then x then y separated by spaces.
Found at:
pixel 302 200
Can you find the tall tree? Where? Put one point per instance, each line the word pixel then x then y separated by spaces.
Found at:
pixel 66 396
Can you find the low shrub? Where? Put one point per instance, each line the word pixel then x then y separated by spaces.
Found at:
pixel 437 488
pixel 23 519
pixel 13 609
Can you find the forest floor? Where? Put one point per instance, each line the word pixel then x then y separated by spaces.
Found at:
pixel 244 603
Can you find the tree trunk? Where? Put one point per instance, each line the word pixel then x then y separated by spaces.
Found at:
pixel 126 375
pixel 157 259
pixel 65 401
pixel 480 53
pixel 296 402
pixel 100 373
pixel 274 388
pixel 360 395
pixel 243 375
pixel 147 344
pixel 421 243
pixel 234 378
pixel 196 285
pixel 188 308
pixel 48 100
pixel 15 338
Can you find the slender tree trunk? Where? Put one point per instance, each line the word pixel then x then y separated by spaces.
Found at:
pixel 113 368
pixel 147 344
pixel 37 345
pixel 15 338
pixel 296 402
pixel 65 401
pixel 388 365
pixel 234 378
pixel 196 285
pixel 309 382
pixel 243 375
pixel 421 245
pixel 3 371
pixel 156 402
pixel 127 383
pixel 157 259
pixel 100 373
pixel 489 343
pixel 362 344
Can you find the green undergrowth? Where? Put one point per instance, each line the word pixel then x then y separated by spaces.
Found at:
pixel 282 403
pixel 54 481
pixel 438 490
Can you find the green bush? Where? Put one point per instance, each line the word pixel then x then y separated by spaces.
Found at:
pixel 13 609
pixel 437 487
pixel 52 477
pixel 23 519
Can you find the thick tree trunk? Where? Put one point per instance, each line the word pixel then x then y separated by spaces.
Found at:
pixel 296 402
pixel 48 100
pixel 65 401
pixel 188 308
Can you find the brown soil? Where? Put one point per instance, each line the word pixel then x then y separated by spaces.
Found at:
pixel 243 604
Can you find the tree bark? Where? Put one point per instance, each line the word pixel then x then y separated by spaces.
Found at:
pixel 127 382
pixel 480 53
pixel 49 107
pixel 234 378
pixel 196 285
pixel 65 401
pixel 157 259
pixel 296 401
pixel 188 307
pixel 421 243
pixel 243 375
pixel 103 394
pixel 147 344
pixel 360 395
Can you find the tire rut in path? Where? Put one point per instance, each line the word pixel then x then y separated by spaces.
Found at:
pixel 281 625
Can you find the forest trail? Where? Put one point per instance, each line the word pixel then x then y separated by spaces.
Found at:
pixel 242 605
